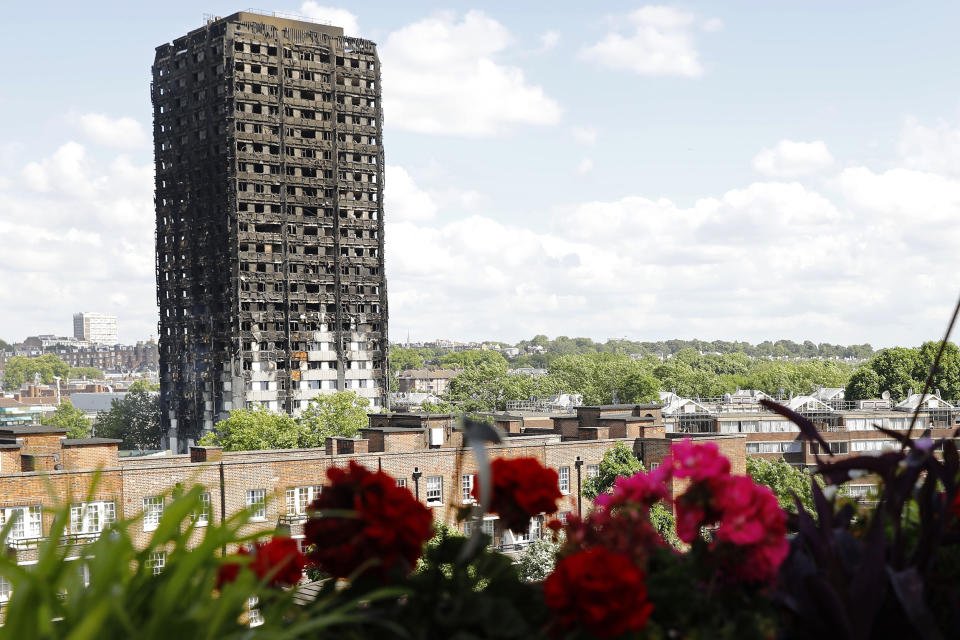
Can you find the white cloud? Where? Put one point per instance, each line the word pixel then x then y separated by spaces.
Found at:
pixel 332 15
pixel 403 199
pixel 585 166
pixel 934 148
pixel 712 25
pixel 548 40
pixel 77 232
pixel 791 159
pixel 769 259
pixel 584 135
pixel 116 133
pixel 441 76
pixel 654 40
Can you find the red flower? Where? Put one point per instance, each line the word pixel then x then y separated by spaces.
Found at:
pixel 278 561
pixel 387 524
pixel 956 505
pixel 522 488
pixel 602 592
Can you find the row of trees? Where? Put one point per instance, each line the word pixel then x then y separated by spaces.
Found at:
pixel 20 369
pixel 900 369
pixel 340 414
pixel 603 378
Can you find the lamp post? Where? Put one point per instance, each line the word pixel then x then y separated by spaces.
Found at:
pixel 579 463
pixel 417 474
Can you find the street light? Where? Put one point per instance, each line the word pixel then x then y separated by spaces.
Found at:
pixel 579 463
pixel 417 474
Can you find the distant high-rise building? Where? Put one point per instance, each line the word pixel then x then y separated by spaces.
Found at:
pixel 98 328
pixel 269 203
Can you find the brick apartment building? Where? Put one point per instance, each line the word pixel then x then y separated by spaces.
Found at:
pixel 423 452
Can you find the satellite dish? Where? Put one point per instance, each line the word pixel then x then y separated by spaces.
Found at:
pixel 885 395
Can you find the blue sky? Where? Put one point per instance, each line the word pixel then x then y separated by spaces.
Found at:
pixel 739 170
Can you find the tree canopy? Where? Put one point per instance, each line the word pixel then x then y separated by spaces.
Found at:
pixel 784 480
pixel 86 372
pixel 341 414
pixel 70 418
pixel 900 369
pixel 134 419
pixel 20 369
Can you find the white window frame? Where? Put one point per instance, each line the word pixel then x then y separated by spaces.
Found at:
pixel 203 515
pixel 466 488
pixel 156 561
pixel 152 512
pixel 593 471
pixel 29 522
pixel 254 615
pixel 299 499
pixel 257 498
pixel 6 589
pixel 402 482
pixel 434 490
pixel 92 517
pixel 563 479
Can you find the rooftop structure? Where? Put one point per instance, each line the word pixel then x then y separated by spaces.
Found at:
pixel 269 214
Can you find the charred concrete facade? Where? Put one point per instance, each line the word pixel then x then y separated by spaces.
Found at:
pixel 269 204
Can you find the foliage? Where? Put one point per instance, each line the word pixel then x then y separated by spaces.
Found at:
pixel 254 429
pixel 890 570
pixel 639 387
pixel 332 415
pixel 488 387
pixel 86 372
pixel 4 345
pixel 783 479
pixel 436 407
pixel 134 419
pixel 20 369
pixel 402 359
pixel 618 462
pixel 70 418
pixel 537 559
pixel 341 414
pixel 473 358
pixel 863 384
pixel 144 385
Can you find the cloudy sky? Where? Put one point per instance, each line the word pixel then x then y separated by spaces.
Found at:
pixel 710 170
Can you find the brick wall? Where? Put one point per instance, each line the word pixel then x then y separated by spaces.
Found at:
pixel 89 456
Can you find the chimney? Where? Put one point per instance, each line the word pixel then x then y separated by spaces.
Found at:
pixel 206 454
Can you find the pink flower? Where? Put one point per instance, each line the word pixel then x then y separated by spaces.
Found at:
pixel 696 461
pixel 641 488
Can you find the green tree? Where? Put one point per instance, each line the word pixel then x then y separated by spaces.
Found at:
pixel 618 462
pixel 784 480
pixel 947 376
pixel 473 358
pixel 441 407
pixel 488 387
pixel 255 429
pixel 4 345
pixel 896 368
pixel 70 418
pixel 20 369
pixel 134 419
pixel 402 359
pixel 341 415
pixel 144 385
pixel 86 372
pixel 637 387
pixel 863 384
